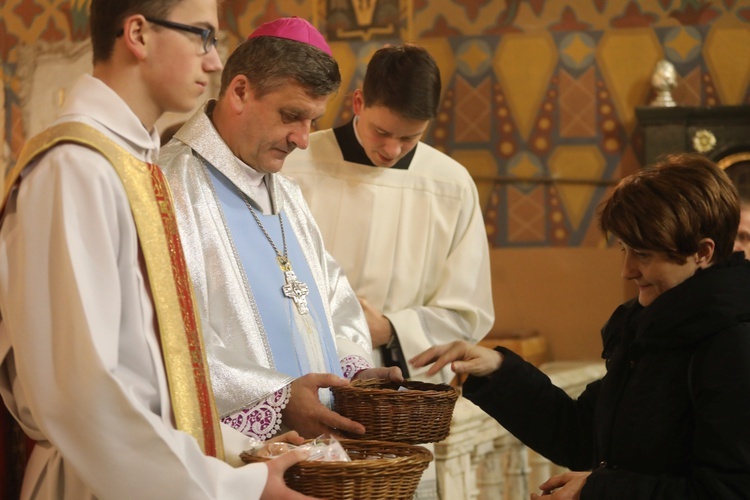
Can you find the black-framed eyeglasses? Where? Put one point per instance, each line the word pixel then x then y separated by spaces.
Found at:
pixel 208 36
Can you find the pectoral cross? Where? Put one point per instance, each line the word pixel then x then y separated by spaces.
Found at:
pixel 295 290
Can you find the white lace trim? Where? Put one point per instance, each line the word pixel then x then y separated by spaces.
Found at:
pixel 263 420
pixel 351 365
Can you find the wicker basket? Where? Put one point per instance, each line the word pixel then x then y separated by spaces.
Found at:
pixel 421 414
pixel 378 470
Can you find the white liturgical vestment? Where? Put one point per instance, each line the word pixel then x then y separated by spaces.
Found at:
pixel 410 238
pixel 81 367
pixel 257 341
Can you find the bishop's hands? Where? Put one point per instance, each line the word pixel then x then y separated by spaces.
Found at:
pixel 392 373
pixel 464 358
pixel 307 415
pixel 381 329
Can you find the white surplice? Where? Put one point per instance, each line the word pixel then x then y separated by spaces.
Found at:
pixel 203 172
pixel 411 240
pixel 81 362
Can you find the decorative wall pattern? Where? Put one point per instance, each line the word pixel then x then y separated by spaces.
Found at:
pixel 539 95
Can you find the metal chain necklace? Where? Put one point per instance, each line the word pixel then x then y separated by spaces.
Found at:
pixel 293 288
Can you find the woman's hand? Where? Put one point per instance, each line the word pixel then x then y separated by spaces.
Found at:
pixel 463 356
pixel 565 486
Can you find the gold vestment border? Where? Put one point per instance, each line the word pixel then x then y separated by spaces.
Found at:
pixel 179 328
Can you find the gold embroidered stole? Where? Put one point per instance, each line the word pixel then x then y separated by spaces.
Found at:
pixel 174 301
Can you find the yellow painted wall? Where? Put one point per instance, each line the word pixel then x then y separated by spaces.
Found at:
pixel 536 90
pixel 566 294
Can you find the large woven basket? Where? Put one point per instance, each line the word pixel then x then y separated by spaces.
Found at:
pixel 378 470
pixel 421 414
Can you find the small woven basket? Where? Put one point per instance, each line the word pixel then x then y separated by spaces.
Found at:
pixel 378 470
pixel 421 414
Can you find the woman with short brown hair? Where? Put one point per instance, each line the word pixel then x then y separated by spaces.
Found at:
pixel 670 417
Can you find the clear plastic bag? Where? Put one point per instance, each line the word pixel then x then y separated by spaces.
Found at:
pixel 324 448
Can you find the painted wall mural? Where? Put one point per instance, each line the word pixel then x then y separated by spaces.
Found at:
pixel 539 95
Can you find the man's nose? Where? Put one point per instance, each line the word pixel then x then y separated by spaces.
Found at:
pixel 392 148
pixel 212 61
pixel 300 136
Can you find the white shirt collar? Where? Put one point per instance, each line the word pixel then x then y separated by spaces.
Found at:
pixel 254 177
pixel 256 185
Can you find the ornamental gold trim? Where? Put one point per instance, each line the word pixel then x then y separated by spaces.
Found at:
pixel 730 160
pixel 174 300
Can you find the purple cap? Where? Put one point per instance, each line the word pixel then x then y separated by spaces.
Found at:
pixel 293 28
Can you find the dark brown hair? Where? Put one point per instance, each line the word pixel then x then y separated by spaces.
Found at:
pixel 671 206
pixel 405 79
pixel 270 62
pixel 107 17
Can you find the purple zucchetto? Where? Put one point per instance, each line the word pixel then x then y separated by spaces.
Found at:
pixel 293 28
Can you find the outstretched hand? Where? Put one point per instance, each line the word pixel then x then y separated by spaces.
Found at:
pixel 565 486
pixel 307 415
pixel 464 358
pixel 276 488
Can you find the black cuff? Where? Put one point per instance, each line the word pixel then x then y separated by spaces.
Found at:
pixel 394 356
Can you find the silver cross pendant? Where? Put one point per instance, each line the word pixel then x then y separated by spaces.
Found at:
pixel 296 290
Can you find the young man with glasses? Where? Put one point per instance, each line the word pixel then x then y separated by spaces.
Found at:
pixel 208 35
pixel 101 355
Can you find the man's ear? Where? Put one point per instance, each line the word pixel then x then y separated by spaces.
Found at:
pixel 358 101
pixel 134 35
pixel 705 253
pixel 239 92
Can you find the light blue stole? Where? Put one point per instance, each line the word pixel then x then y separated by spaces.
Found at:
pixel 265 279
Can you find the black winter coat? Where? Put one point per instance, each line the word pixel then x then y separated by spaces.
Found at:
pixel 671 417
